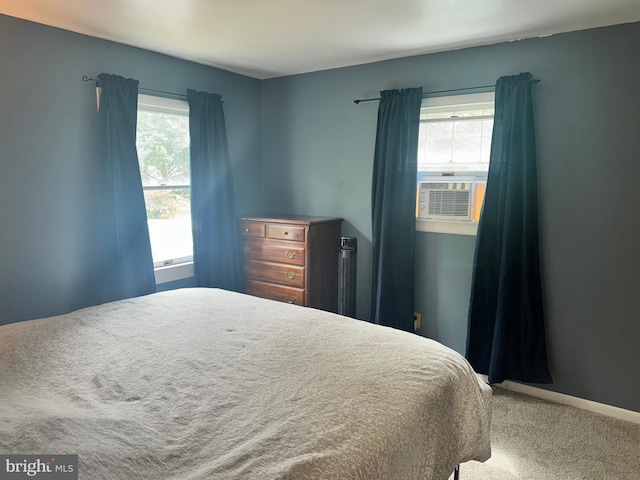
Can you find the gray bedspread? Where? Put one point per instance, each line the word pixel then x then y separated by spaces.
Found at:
pixel 209 384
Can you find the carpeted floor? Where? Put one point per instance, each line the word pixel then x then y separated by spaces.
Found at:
pixel 533 439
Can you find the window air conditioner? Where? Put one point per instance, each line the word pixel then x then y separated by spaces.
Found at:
pixel 446 200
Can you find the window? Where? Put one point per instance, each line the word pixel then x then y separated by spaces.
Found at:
pixel 453 161
pixel 163 154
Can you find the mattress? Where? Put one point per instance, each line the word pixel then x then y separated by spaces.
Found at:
pixel 209 384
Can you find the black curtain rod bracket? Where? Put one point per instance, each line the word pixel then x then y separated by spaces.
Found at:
pixel 426 94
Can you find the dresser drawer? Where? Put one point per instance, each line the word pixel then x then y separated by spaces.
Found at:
pixel 288 275
pixel 275 292
pixel 286 232
pixel 258 250
pixel 252 229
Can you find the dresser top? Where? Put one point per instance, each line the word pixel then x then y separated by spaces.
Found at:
pixel 300 219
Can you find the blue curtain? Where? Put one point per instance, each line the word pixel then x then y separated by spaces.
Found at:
pixel 122 251
pixel 215 254
pixel 393 205
pixel 506 333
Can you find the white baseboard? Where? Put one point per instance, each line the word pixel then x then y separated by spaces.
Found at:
pixel 604 409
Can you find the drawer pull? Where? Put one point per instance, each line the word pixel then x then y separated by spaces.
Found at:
pixel 245 268
pixel 247 229
pixel 290 300
pixel 291 275
pixel 246 249
pixel 290 255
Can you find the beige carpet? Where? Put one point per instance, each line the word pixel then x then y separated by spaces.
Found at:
pixel 537 440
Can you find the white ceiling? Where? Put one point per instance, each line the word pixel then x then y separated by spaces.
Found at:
pixel 272 38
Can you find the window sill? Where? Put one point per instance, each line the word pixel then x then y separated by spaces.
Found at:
pixel 454 227
pixel 171 273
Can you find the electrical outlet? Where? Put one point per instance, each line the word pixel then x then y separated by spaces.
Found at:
pixel 416 321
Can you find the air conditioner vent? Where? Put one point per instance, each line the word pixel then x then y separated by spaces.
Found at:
pixel 445 200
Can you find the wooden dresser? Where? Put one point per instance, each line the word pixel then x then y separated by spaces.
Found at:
pixel 291 259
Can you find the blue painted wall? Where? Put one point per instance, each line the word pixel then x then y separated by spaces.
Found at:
pixel 317 157
pixel 47 136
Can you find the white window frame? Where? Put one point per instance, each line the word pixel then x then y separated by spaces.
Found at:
pixel 456 227
pixel 177 268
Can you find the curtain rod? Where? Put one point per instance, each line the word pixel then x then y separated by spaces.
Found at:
pixel 85 78
pixel 426 94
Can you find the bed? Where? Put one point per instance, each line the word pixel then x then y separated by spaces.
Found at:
pixel 209 384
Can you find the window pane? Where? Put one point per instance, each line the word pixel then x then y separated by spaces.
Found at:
pixel 487 127
pixel 439 150
pixel 469 127
pixel 485 153
pixel 487 131
pixel 163 148
pixel 467 149
pixel 453 138
pixel 440 130
pixel 169 220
